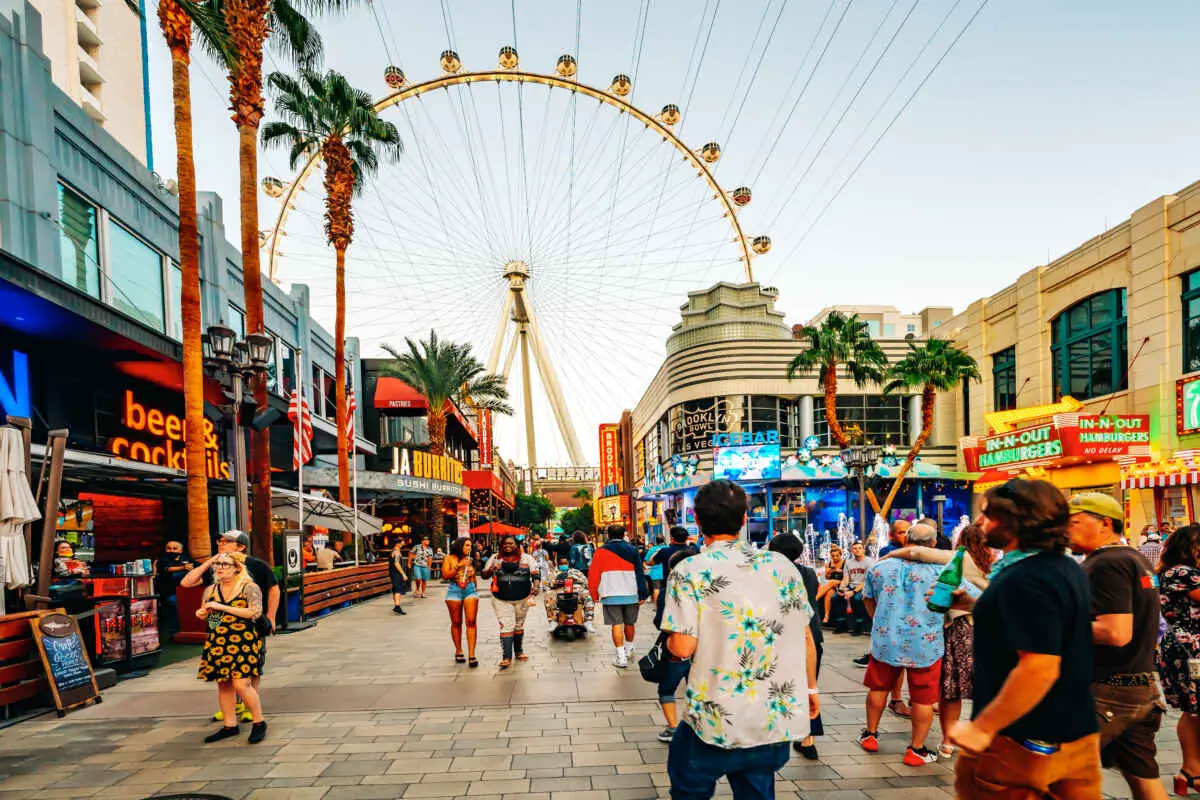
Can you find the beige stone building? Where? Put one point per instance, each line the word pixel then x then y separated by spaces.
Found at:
pixel 96 50
pixel 1114 323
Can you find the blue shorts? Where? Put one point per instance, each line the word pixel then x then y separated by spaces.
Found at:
pixel 420 573
pixel 677 671
pixel 458 593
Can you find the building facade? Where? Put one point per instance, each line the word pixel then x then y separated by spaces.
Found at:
pixel 97 55
pixel 723 386
pixel 90 322
pixel 1115 325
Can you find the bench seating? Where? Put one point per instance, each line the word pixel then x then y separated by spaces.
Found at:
pixel 21 673
pixel 350 584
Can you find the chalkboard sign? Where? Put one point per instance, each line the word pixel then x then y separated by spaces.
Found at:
pixel 65 658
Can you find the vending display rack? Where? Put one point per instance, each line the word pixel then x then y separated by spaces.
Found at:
pixel 126 622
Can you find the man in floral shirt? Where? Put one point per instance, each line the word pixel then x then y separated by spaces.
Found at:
pixel 742 616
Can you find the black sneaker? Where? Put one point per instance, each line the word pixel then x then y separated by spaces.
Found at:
pixel 862 661
pixel 809 751
pixel 224 732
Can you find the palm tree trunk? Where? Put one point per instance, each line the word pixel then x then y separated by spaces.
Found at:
pixel 339 361
pixel 176 28
pixel 831 418
pixel 247 23
pixel 437 446
pixel 927 397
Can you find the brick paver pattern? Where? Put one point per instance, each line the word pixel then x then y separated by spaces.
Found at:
pixel 369 704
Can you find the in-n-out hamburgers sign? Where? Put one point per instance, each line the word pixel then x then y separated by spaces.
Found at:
pixel 1068 437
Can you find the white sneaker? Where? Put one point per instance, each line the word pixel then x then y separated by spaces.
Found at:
pixel 629 649
pixel 620 660
pixel 589 627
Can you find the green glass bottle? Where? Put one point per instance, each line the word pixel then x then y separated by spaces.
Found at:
pixel 948 581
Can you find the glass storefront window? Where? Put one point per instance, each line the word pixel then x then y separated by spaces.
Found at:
pixel 1191 321
pixel 329 390
pixel 406 430
pixel 236 319
pixel 1089 347
pixel 80 248
pixel 882 419
pixel 273 365
pixel 175 298
pixel 136 277
pixel 1004 379
pixel 287 363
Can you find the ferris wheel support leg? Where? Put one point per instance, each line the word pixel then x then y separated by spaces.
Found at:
pixel 550 381
pixel 527 390
pixel 508 359
pixel 501 330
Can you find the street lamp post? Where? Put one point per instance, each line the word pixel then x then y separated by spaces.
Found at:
pixel 234 362
pixel 857 458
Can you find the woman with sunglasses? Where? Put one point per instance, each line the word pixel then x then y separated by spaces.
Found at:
pixel 233 650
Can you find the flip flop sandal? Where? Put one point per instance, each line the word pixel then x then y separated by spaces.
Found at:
pixel 459 658
pixel 899 709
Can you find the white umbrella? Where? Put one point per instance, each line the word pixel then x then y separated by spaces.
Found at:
pixel 17 507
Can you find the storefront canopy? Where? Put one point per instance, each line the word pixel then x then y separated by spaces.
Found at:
pixel 395 393
pixel 498 528
pixel 322 511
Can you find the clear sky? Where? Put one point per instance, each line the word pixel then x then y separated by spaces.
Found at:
pixel 1045 123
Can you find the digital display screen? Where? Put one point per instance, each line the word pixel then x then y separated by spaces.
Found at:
pixel 747 463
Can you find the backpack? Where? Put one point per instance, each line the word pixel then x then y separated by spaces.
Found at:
pixel 580 557
pixel 513 582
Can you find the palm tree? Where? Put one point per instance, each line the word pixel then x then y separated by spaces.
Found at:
pixel 839 341
pixel 248 24
pixel 176 23
pixel 325 114
pixel 936 365
pixel 444 372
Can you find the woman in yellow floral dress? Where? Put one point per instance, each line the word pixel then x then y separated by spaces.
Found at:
pixel 233 650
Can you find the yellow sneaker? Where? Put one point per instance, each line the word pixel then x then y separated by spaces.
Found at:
pixel 219 716
pixel 243 713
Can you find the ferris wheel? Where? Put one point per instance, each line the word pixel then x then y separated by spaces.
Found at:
pixel 535 217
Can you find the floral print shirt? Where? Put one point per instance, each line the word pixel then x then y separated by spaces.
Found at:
pixel 905 633
pixel 749 613
pixel 422 555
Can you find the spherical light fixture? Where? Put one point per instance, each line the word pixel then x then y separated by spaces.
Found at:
pixel 508 58
pixel 621 85
pixel 566 66
pixel 670 114
pixel 760 244
pixel 393 76
pixel 450 62
pixel 273 187
pixel 741 196
pixel 710 152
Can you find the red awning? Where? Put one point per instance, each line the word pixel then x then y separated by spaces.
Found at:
pixel 395 393
pixel 498 528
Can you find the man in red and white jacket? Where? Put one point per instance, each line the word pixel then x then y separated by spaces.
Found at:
pixel 616 579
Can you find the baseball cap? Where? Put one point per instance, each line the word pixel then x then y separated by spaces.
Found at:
pixel 234 535
pixel 1098 503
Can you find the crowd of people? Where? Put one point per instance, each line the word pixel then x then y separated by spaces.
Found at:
pixel 1070 642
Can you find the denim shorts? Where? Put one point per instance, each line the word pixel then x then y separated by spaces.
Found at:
pixel 677 671
pixel 420 573
pixel 458 593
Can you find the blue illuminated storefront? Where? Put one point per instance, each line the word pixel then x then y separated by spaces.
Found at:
pixel 788 491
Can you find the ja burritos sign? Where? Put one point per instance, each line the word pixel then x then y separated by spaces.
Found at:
pixel 1068 438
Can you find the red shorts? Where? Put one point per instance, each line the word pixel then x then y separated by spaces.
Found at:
pixel 923 682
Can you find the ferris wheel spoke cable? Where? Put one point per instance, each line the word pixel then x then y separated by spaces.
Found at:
pixel 800 69
pixel 892 122
pixel 846 110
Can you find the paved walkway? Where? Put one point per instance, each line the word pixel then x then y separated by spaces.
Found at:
pixel 370 705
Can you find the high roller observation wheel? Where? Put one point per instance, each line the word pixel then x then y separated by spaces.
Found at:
pixel 508 71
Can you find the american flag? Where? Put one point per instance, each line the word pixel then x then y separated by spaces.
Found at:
pixel 302 432
pixel 351 407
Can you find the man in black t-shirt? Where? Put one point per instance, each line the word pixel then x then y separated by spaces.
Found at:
pixel 1033 712
pixel 1125 609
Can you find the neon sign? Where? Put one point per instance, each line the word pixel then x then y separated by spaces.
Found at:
pixel 738 439
pixel 166 449
pixel 14 389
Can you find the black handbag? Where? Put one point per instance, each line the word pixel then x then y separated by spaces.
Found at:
pixel 653 665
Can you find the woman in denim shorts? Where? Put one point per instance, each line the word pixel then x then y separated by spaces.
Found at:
pixel 462 599
pixel 677 669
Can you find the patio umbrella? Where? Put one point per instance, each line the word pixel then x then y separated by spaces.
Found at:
pixel 17 507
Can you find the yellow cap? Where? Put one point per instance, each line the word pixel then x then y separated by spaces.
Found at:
pixel 1098 503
